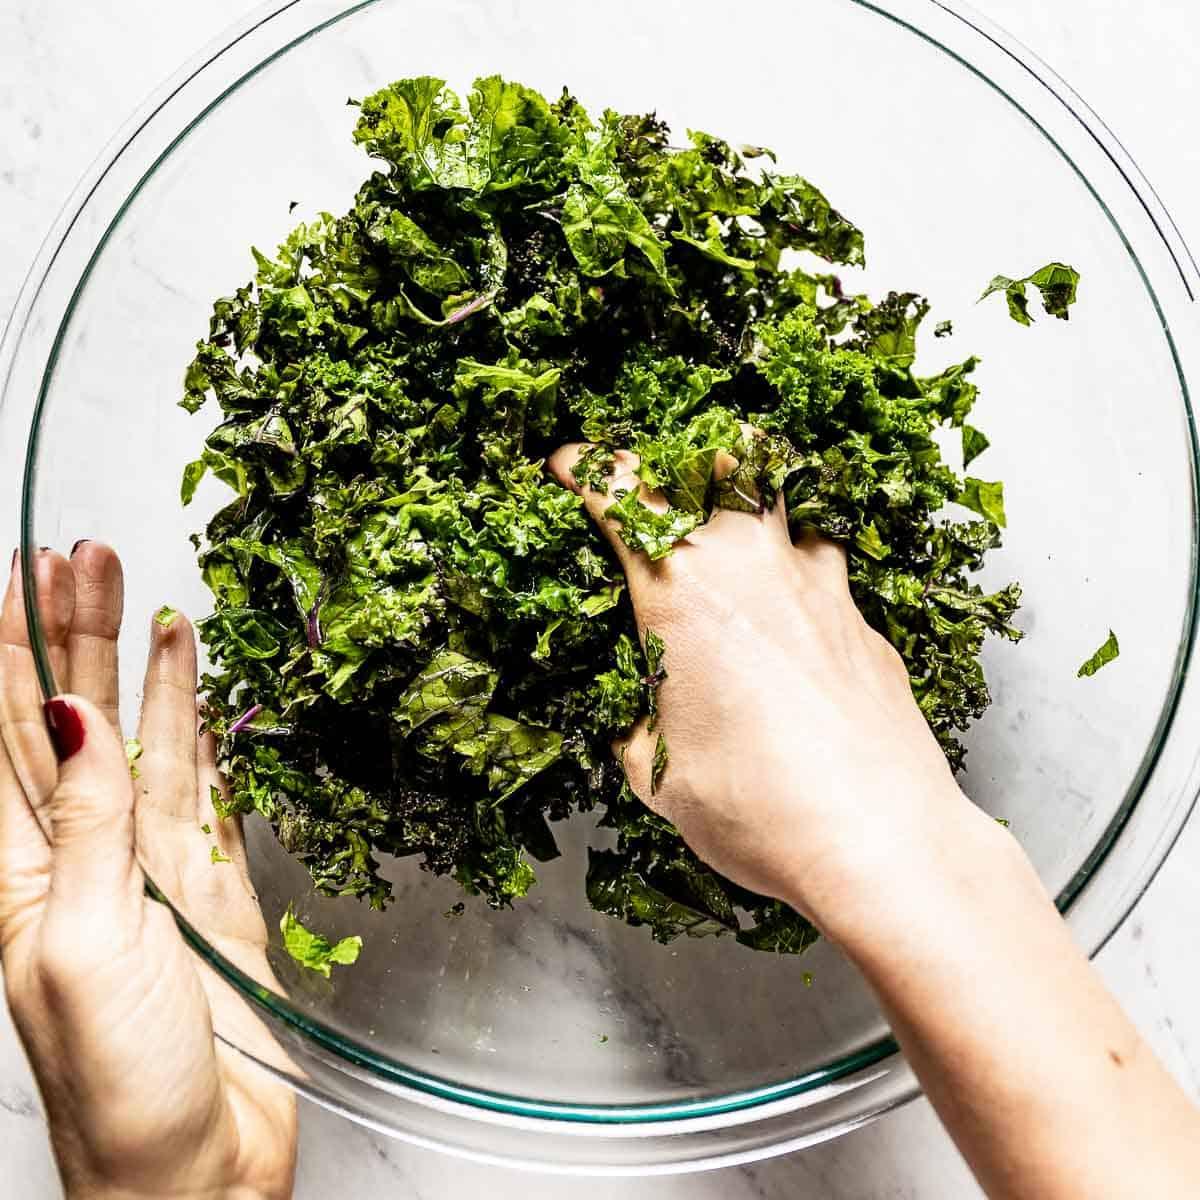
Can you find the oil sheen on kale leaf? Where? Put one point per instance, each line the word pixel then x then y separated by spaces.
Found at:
pixel 422 644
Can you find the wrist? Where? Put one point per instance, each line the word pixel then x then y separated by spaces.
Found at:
pixel 231 1192
pixel 895 878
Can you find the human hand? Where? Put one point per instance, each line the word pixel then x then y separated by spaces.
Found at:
pixel 115 1012
pixel 799 763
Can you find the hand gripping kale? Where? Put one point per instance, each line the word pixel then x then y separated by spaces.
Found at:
pixel 421 644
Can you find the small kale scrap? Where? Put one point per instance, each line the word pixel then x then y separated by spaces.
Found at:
pixel 133 751
pixel 165 616
pixel 422 644
pixel 1108 651
pixel 1056 282
pixel 309 949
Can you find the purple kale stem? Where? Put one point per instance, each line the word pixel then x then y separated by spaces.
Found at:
pixel 313 626
pixel 461 314
pixel 245 718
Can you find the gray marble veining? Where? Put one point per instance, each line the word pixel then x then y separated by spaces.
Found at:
pixel 68 75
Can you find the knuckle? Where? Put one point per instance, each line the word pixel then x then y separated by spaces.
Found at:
pixel 164 760
pixel 170 679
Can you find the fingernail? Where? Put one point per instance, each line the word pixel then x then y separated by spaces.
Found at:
pixel 44 549
pixel 66 727
pixel 16 552
pixel 81 542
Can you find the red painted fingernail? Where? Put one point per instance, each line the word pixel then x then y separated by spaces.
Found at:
pixel 66 727
pixel 81 542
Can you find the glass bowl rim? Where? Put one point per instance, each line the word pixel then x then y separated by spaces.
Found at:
pixel 345 1047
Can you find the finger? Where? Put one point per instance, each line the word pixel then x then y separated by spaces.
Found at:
pixel 227 833
pixel 217 893
pixel 825 563
pixel 22 721
pixel 24 861
pixel 168 727
pixel 724 465
pixel 622 478
pixel 93 867
pixel 725 468
pixel 178 769
pixel 771 521
pixel 92 640
pixel 55 588
pixel 779 516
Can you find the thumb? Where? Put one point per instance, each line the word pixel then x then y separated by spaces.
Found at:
pixel 91 810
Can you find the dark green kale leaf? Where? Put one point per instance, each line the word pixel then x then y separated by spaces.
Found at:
pixel 974 443
pixel 659 765
pixel 1057 283
pixel 422 645
pixel 656 672
pixel 987 499
pixel 614 888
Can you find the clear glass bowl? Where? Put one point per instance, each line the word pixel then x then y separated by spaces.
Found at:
pixel 550 1036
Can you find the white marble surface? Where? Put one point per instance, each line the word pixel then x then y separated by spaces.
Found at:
pixel 69 73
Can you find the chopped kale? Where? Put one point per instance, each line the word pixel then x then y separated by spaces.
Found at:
pixel 987 499
pixel 659 766
pixel 1108 651
pixel 133 751
pixel 165 616
pixel 1057 283
pixel 422 645
pixel 221 807
pixel 310 949
pixel 974 443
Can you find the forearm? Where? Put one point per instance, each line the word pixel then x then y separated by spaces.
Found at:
pixel 1044 1084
